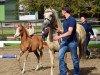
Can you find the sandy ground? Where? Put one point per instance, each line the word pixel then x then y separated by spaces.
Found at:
pixel 10 66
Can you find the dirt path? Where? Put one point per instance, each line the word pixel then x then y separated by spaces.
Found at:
pixel 11 66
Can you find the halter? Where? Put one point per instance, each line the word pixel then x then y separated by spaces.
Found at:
pixel 51 21
pixel 47 18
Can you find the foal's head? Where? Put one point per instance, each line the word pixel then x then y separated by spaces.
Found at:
pixel 20 31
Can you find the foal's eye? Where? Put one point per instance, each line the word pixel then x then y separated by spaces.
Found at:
pixel 51 15
pixel 20 29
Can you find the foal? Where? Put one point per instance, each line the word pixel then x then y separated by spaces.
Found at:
pixel 29 44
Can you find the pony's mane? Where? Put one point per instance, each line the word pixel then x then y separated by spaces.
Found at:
pixel 56 16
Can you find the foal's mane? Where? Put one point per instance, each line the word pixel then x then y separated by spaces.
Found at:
pixel 24 30
pixel 57 21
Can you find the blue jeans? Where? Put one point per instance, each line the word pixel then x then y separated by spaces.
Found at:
pixel 72 46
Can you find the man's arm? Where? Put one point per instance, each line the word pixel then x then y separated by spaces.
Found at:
pixel 69 32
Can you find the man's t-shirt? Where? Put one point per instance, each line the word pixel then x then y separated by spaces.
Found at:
pixel 70 22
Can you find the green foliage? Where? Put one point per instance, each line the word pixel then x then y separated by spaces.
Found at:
pixel 78 6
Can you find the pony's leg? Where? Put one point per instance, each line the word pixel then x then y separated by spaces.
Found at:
pixel 38 59
pixel 80 51
pixel 52 60
pixel 68 71
pixel 25 59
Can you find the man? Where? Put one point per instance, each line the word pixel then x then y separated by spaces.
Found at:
pixel 88 30
pixel 68 42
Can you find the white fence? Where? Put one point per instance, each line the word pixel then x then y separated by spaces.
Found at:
pixel 8 42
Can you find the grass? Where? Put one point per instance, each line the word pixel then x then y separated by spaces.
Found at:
pixel 94 46
pixel 11 45
pixel 38 30
pixel 9 31
pixel 98 28
pixel 17 46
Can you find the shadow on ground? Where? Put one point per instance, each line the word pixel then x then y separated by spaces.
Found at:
pixel 86 71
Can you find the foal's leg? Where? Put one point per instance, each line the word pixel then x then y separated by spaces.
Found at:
pixel 52 60
pixel 38 59
pixel 41 54
pixel 18 57
pixel 25 59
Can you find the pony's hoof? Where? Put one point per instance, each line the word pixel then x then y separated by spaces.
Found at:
pixel 23 72
pixel 69 73
pixel 36 69
pixel 41 66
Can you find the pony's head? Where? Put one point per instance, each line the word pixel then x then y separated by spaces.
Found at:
pixel 20 30
pixel 50 19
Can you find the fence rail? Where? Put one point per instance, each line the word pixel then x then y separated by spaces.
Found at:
pixel 11 25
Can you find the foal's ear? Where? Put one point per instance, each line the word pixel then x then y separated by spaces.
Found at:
pixel 18 24
pixel 21 25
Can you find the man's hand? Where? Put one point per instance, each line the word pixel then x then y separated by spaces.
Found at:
pixel 55 38
pixel 93 37
pixel 59 30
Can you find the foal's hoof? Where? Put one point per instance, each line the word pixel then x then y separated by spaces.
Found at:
pixel 17 58
pixel 36 68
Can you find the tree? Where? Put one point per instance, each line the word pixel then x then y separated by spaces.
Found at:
pixel 78 6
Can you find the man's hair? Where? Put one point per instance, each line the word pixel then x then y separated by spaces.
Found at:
pixel 47 6
pixel 67 9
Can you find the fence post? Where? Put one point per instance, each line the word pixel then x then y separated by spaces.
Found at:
pixel 1 28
